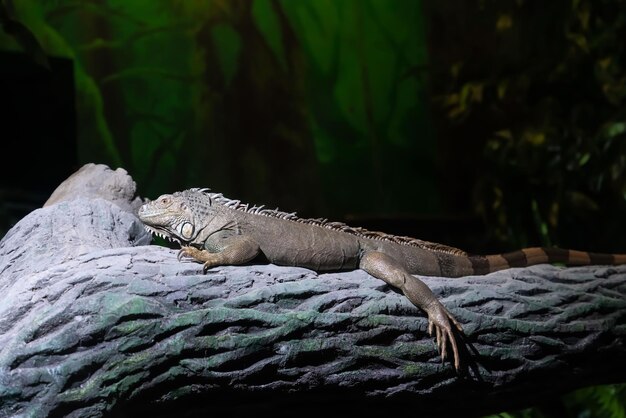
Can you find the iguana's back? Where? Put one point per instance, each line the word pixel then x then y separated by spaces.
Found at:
pixel 286 239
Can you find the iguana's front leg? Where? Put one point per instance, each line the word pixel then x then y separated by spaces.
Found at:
pixel 384 267
pixel 234 250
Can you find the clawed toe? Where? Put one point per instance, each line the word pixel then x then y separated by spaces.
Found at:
pixel 182 253
pixel 444 325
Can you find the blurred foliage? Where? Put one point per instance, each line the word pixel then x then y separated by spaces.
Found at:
pixel 313 105
pixel 550 102
pixel 22 35
pixel 592 402
pixel 597 401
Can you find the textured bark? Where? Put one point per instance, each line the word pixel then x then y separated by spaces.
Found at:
pixel 93 323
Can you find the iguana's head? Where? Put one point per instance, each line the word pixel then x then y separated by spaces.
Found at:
pixel 179 216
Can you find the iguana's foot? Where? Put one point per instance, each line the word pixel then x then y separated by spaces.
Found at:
pixel 189 251
pixel 237 250
pixel 203 256
pixel 442 322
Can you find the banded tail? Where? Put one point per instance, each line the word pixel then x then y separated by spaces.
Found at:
pixel 538 255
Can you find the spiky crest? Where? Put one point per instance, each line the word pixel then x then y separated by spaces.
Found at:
pixel 324 223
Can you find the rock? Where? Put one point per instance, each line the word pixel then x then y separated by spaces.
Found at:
pixel 98 180
pixel 54 235
pixel 95 323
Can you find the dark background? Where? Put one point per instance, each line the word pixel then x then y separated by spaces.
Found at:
pixel 488 125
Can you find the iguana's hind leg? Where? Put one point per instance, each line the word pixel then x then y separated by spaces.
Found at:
pixel 384 267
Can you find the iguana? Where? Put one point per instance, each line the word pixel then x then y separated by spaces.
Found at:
pixel 216 230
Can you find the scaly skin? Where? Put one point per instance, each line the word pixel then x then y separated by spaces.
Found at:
pixel 218 231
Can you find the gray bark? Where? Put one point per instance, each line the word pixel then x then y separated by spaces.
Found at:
pixel 95 323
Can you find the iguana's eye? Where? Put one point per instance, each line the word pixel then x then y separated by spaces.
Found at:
pixel 186 230
pixel 165 200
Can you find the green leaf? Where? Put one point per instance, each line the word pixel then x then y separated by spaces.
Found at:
pixel 584 159
pixel 228 46
pixel 616 129
pixel 269 25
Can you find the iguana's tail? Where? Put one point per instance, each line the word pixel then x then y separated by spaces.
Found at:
pixel 537 255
